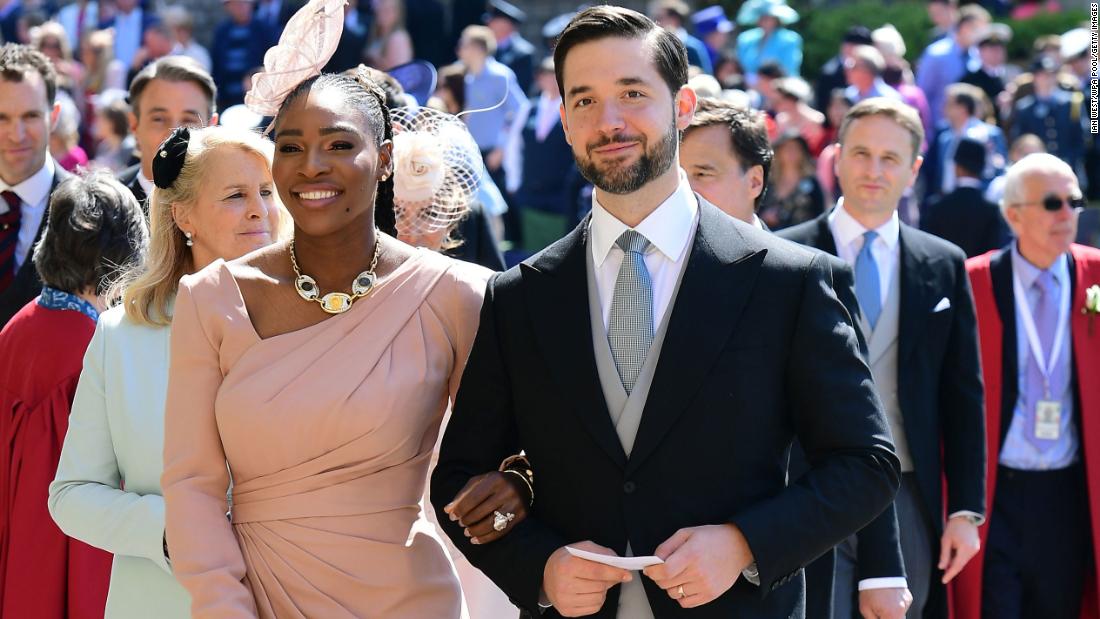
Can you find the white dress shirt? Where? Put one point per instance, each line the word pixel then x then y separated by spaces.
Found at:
pixel 146 185
pixel 34 193
pixel 848 236
pixel 669 230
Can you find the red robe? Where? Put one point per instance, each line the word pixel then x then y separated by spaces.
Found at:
pixel 43 573
pixel 966 589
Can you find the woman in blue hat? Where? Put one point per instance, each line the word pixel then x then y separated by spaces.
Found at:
pixel 770 40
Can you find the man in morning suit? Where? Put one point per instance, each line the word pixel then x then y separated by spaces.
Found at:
pixel 918 317
pixel 1040 341
pixel 651 444
pixel 174 91
pixel 964 216
pixel 727 156
pixel 28 175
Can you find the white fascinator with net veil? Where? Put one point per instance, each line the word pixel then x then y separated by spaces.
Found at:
pixel 437 170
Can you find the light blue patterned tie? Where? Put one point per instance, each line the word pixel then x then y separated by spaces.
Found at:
pixel 630 329
pixel 868 290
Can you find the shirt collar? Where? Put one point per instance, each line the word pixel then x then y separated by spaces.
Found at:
pixel 146 185
pixel 668 228
pixel 847 229
pixel 34 189
pixel 1028 272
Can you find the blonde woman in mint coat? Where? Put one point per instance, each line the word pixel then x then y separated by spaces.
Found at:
pixel 214 199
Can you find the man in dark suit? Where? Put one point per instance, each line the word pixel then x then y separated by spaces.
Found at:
pixel 174 91
pixel 964 216
pixel 727 156
pixel 28 175
pixel 832 74
pixel 513 50
pixel 918 316
pixel 651 444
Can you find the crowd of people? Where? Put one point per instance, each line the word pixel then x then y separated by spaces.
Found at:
pixel 820 350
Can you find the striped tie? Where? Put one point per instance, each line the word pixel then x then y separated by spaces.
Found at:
pixel 630 329
pixel 9 237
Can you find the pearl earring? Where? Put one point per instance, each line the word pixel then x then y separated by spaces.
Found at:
pixel 189 242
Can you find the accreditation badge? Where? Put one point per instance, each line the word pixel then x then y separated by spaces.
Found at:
pixel 1048 420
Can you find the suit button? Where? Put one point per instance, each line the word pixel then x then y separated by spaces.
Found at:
pixel 629 487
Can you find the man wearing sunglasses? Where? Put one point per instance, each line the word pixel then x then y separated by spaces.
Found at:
pixel 1041 363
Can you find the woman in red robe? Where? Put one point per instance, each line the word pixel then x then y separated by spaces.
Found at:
pixel 93 225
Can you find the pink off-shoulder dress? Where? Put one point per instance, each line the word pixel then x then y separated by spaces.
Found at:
pixel 326 433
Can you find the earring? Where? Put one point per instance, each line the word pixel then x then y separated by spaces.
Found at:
pixel 188 242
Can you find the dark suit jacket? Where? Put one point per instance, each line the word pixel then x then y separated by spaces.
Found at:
pixel 758 351
pixel 26 285
pixel 129 177
pixel 479 245
pixel 939 391
pixel 968 220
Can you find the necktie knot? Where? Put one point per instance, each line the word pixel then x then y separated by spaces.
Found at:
pixel 632 242
pixel 12 200
pixel 868 239
pixel 1046 283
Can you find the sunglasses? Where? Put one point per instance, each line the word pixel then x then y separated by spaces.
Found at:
pixel 1054 203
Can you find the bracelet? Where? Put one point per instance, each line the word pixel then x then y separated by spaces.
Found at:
pixel 527 482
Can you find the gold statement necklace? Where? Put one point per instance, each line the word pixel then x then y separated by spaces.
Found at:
pixel 335 302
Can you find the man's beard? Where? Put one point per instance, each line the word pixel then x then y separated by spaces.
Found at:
pixel 623 180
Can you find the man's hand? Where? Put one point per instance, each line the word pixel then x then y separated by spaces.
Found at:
pixel 577 587
pixel 494 159
pixel 959 543
pixel 702 563
pixel 476 505
pixel 888 603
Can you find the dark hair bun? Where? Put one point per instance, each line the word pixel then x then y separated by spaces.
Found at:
pixel 170 157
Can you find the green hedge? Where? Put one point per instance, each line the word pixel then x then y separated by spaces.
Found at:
pixel 823 27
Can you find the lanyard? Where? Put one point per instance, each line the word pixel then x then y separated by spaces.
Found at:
pixel 1045 366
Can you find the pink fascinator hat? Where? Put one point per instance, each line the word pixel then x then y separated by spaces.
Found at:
pixel 306 45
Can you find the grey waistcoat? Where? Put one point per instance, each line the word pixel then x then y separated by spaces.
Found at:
pixel 626 411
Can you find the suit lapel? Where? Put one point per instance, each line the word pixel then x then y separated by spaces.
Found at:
pixel 716 285
pixel 1000 271
pixel 825 241
pixel 557 290
pixel 916 301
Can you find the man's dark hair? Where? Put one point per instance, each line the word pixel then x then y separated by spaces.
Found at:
pixel 18 61
pixel 173 69
pixel 748 134
pixel 367 97
pixel 600 22
pixel 771 69
pixel 966 95
pixel 95 229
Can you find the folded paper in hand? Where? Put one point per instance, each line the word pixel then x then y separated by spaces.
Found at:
pixel 626 563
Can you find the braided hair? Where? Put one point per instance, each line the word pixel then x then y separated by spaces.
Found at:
pixel 367 96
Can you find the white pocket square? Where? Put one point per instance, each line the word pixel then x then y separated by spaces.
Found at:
pixel 942 305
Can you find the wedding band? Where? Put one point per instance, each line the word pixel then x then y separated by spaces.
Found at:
pixel 500 521
pixel 680 592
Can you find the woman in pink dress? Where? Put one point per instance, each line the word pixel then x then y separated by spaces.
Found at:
pixel 313 375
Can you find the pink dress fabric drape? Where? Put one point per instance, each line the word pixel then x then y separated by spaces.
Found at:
pixel 328 432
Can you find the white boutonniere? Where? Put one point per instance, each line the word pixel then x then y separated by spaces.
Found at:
pixel 1092 304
